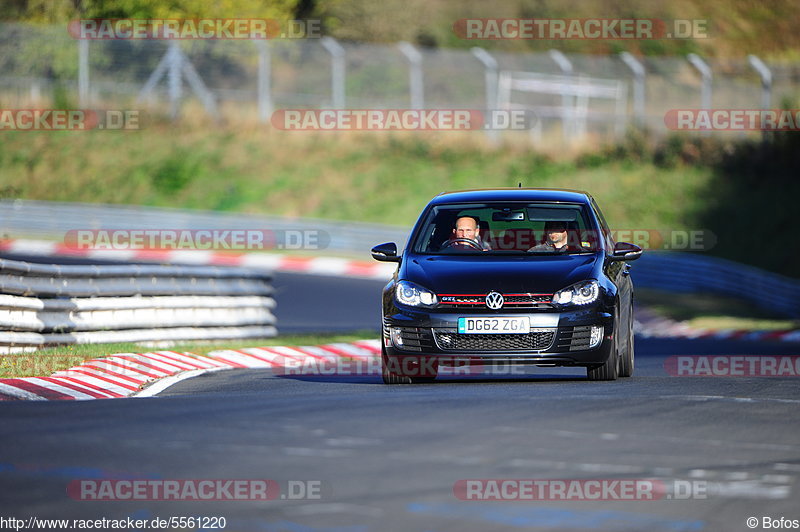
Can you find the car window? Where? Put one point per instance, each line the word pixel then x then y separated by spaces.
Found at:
pixel 506 228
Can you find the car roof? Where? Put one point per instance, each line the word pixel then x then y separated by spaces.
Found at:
pixel 512 194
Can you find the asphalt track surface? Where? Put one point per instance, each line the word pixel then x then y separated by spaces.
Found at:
pixel 387 458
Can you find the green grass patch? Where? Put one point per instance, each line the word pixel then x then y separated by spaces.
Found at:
pixel 364 177
pixel 740 190
pixel 44 362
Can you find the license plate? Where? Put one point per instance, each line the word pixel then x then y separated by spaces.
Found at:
pixel 494 325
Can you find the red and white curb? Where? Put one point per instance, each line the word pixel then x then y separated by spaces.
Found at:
pixel 271 261
pixel 126 374
pixel 651 326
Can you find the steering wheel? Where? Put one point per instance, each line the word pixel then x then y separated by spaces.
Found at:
pixel 467 241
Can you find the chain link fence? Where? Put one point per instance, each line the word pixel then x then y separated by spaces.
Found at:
pixel 241 79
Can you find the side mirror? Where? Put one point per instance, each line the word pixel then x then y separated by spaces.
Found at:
pixel 625 251
pixel 385 252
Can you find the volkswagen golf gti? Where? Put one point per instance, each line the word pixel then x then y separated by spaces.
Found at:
pixel 508 277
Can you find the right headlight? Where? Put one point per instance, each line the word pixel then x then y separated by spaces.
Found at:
pixel 408 293
pixel 582 293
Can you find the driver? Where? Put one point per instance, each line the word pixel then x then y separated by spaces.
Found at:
pixel 466 228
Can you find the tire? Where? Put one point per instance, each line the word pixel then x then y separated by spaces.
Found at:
pixel 388 364
pixel 626 361
pixel 609 370
pixel 392 369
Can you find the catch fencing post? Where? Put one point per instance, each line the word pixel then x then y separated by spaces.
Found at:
pixel 766 80
pixel 705 72
pixel 83 73
pixel 490 66
pixel 638 87
pixel 265 105
pixel 766 84
pixel 337 70
pixel 416 87
pixel 567 105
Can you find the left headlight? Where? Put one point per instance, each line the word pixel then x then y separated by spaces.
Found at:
pixel 581 293
pixel 413 295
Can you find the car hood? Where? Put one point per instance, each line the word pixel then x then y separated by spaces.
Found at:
pixel 513 274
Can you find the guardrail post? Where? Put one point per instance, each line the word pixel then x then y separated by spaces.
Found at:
pixel 490 66
pixel 416 87
pixel 638 87
pixel 567 104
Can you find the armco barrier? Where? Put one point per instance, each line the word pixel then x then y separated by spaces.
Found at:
pixel 52 220
pixel 43 304
pixel 671 271
pixel 695 273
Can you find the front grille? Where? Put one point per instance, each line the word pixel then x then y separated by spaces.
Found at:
pixel 510 300
pixel 536 340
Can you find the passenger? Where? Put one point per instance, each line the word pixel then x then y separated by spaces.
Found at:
pixel 556 238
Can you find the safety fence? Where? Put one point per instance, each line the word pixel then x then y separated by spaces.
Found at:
pixel 235 80
pixel 44 304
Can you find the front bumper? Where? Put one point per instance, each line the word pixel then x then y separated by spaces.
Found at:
pixel 556 338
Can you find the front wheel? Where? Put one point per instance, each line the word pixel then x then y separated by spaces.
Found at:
pixel 407 370
pixel 627 358
pixel 609 370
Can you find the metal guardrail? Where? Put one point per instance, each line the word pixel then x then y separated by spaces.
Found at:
pixel 694 273
pixel 665 270
pixel 43 304
pixel 52 220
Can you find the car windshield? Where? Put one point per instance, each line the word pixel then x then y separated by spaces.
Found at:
pixel 507 228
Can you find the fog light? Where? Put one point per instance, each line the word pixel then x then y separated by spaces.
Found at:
pixel 397 336
pixel 596 337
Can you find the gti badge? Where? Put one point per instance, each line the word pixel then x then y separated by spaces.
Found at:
pixel 494 300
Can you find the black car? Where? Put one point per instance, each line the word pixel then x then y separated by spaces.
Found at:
pixel 507 277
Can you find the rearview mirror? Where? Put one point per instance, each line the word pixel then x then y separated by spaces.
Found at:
pixel 508 216
pixel 385 252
